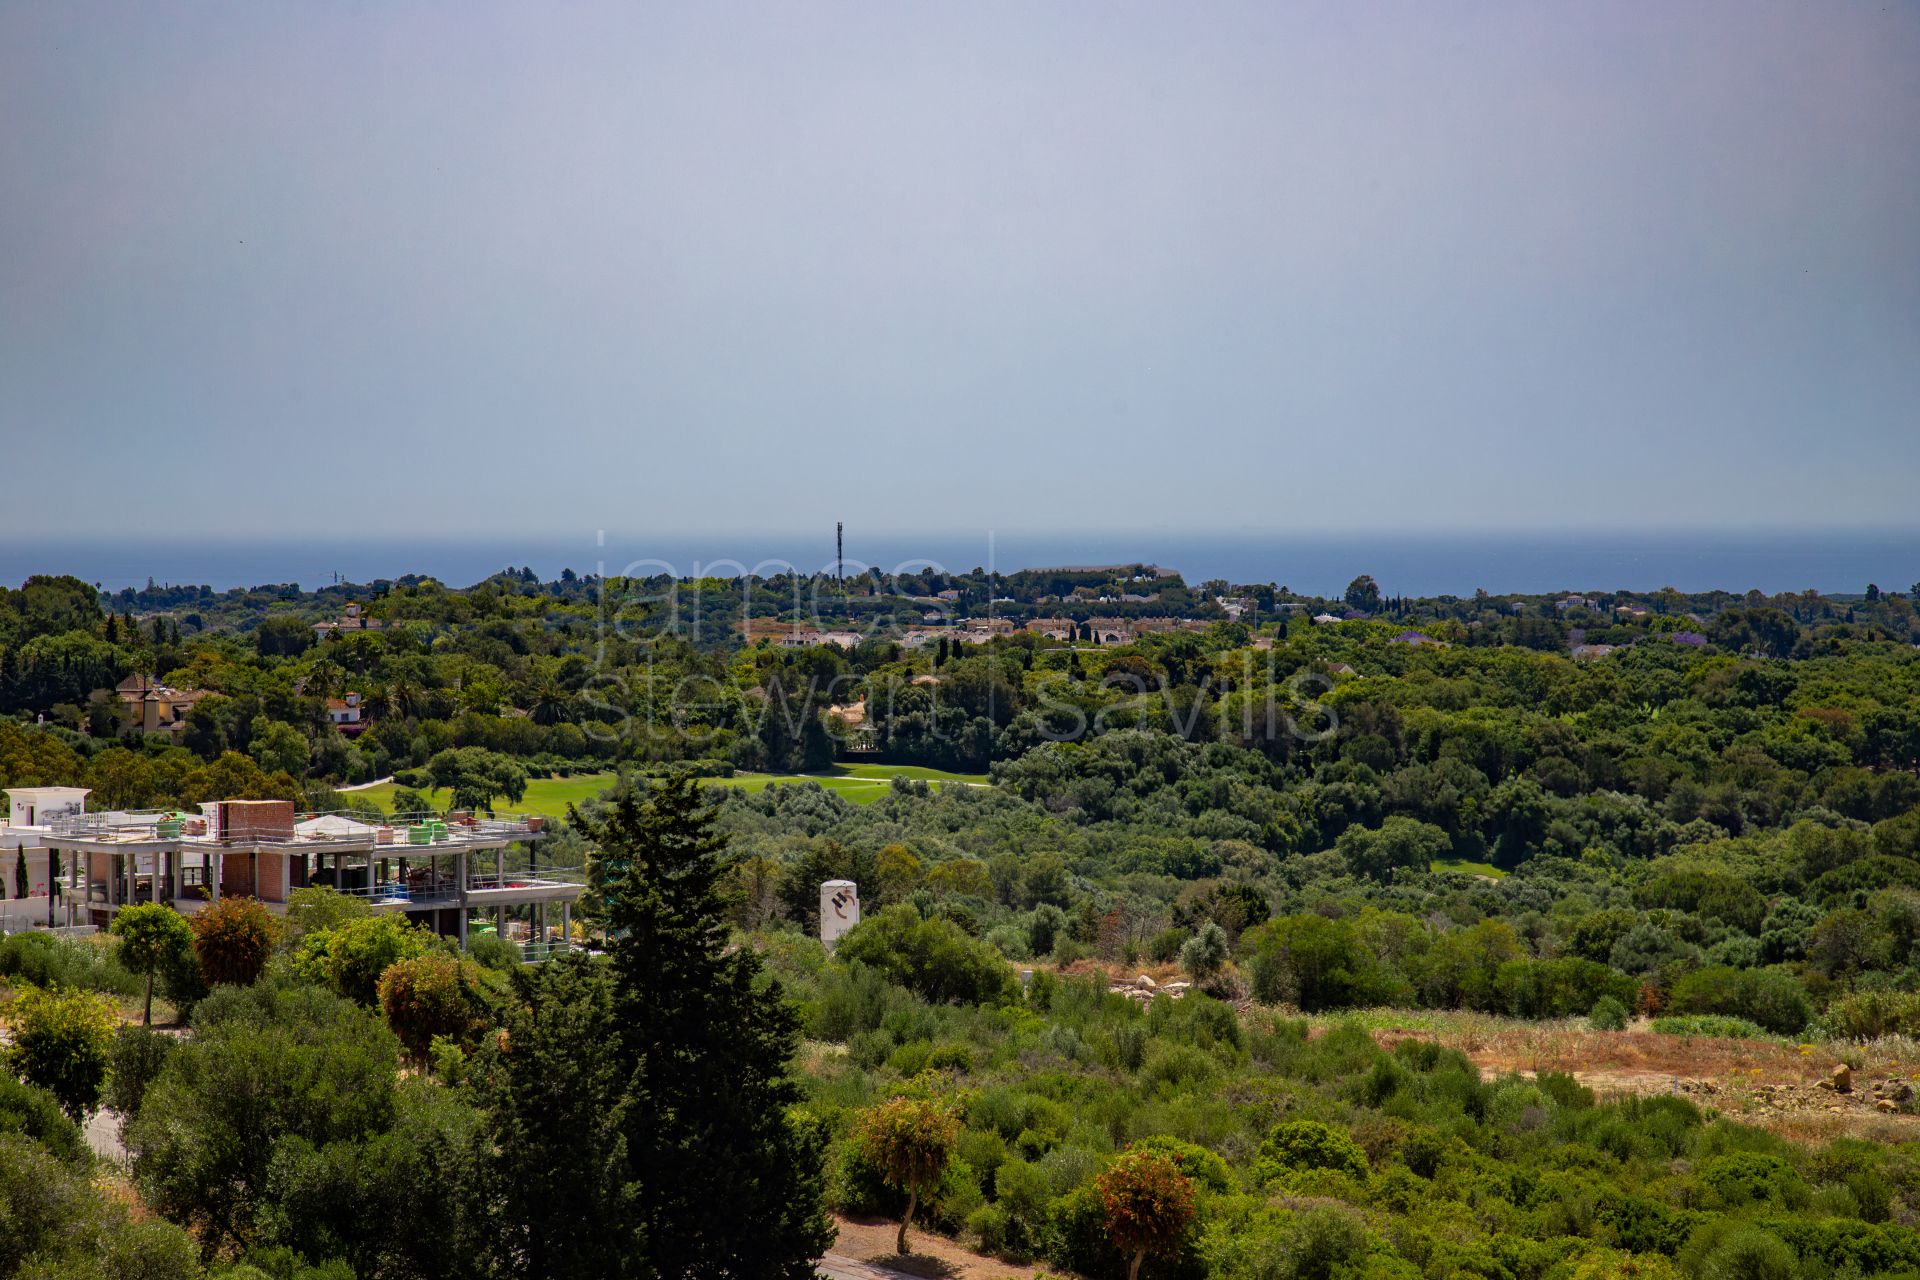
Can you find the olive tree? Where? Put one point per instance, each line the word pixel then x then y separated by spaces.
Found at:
pixel 153 939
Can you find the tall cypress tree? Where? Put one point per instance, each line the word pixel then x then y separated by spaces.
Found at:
pixel 554 1088
pixel 726 1184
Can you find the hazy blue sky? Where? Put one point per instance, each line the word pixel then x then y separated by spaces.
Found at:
pixel 383 268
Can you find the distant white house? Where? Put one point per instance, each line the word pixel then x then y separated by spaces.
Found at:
pixel 354 619
pixel 806 639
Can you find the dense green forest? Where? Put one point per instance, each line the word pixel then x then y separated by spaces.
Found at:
pixel 1702 811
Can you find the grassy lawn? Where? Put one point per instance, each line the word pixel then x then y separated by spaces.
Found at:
pixel 860 783
pixel 1464 867
pixel 549 796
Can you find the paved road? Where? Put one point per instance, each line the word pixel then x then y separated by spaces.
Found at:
pixel 103 1135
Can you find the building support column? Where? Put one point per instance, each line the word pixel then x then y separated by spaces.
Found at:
pixel 460 873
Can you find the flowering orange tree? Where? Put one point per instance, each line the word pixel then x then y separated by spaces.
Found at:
pixel 910 1141
pixel 1149 1205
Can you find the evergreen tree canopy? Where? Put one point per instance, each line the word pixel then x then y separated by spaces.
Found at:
pixel 728 1185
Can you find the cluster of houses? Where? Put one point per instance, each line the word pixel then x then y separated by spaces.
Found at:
pixel 1104 631
pixel 156 708
pixel 353 619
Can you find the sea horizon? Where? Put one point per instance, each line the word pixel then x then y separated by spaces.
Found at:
pixel 1404 562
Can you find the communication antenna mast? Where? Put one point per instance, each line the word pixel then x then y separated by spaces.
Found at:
pixel 840 550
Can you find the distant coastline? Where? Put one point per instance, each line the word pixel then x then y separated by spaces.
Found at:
pixel 1839 561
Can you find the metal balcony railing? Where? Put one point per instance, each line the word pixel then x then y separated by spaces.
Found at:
pixel 535 952
pixel 429 889
pixel 400 831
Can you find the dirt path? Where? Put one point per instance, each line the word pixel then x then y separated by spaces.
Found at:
pixel 865 1251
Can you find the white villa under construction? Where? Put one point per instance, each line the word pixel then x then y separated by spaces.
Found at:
pixel 456 874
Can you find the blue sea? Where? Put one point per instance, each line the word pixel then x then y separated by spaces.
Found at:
pixel 1413 563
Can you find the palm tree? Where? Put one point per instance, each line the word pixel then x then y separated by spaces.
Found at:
pixel 405 696
pixel 548 701
pixel 323 677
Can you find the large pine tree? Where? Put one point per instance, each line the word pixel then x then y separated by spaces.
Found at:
pixel 725 1184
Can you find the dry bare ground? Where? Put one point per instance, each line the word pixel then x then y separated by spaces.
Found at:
pixel 865 1251
pixel 1784 1088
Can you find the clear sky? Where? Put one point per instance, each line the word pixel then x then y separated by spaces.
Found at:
pixel 392 268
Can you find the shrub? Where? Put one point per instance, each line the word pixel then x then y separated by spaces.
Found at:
pixel 1770 997
pixel 350 959
pixel 1165 947
pixel 1319 1243
pixel 1608 1014
pixel 491 951
pixel 57 1225
pixel 138 1055
pixel 1559 988
pixel 63 1042
pixel 1614 1264
pixel 1175 1067
pixel 1317 964
pixel 1750 1177
pixel 1751 1254
pixel 1868 1015
pixel 1309 1144
pixel 1399 843
pixel 1044 927
pixel 1647 948
pixel 433 997
pixel 988 1226
pixel 1203 955
pixel 934 958
pixel 320 907
pixel 1201 1166
pixel 1010 940
pixel 47 960
pixel 31 1110
pixel 1708 1024
pixel 233 938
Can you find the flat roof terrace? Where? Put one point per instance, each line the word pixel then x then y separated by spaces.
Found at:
pixel 149 832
